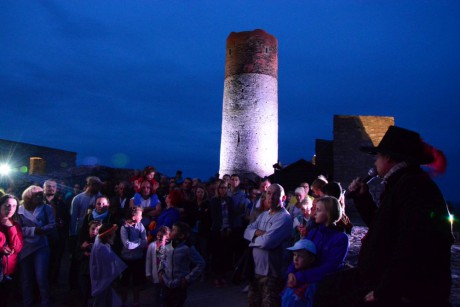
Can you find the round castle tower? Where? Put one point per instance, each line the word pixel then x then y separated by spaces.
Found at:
pixel 249 143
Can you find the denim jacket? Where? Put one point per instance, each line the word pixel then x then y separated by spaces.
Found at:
pixel 176 264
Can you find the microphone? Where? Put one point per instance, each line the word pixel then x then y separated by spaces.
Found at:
pixel 371 174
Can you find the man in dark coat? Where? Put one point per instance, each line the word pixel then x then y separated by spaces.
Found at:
pixel 405 256
pixel 222 216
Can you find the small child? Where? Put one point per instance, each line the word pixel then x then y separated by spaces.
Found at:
pixel 155 253
pixel 134 240
pixel 175 271
pixel 86 244
pixel 295 294
pixel 302 224
pixel 105 267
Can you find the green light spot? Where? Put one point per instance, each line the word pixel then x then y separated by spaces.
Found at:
pixel 120 160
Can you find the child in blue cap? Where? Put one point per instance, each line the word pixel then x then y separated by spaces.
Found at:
pixel 295 294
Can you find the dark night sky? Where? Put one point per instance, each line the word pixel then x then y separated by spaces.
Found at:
pixel 132 83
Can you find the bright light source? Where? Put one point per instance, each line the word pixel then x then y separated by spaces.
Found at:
pixel 5 169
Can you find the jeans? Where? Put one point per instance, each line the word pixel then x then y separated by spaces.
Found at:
pixel 35 264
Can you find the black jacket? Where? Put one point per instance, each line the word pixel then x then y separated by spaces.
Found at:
pixel 215 207
pixel 406 253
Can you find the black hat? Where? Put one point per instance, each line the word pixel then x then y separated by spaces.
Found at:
pixel 404 145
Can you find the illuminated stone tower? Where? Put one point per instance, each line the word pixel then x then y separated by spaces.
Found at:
pixel 249 143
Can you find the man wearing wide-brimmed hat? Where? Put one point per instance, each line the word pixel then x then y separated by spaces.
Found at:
pixel 405 256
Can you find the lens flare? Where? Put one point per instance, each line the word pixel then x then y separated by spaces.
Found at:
pixel 5 169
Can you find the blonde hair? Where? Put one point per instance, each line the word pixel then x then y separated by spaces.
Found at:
pixel 333 209
pixel 29 192
pixel 136 209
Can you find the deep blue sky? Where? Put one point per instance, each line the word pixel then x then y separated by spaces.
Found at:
pixel 143 80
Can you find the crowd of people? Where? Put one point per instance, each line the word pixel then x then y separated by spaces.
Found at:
pixel 171 232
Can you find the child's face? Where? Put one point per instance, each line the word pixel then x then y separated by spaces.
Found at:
pixel 321 214
pixel 307 210
pixel 303 259
pixel 137 217
pixel 93 230
pixel 150 175
pixel 162 237
pixel 317 192
pixel 176 234
pixel 299 197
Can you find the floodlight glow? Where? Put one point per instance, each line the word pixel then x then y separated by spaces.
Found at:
pixel 5 169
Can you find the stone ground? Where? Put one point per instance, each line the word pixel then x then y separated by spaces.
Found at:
pixel 203 294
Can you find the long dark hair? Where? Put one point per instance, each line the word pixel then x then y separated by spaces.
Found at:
pixel 4 199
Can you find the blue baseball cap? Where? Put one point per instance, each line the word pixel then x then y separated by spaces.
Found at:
pixel 305 244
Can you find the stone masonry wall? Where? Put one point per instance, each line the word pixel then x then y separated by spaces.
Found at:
pixel 350 133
